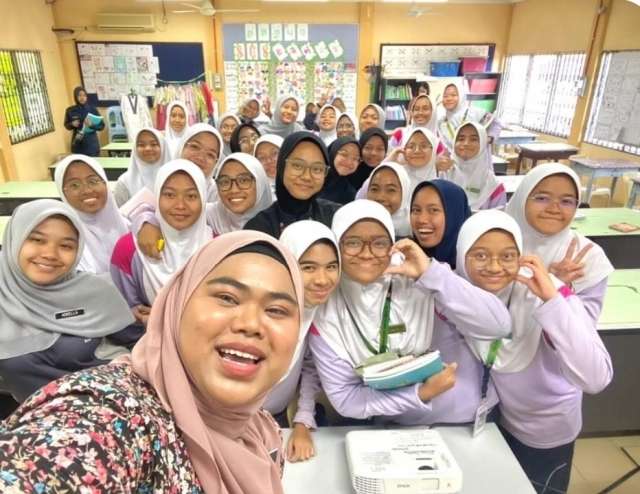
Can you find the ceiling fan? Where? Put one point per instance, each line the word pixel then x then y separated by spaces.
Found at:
pixel 415 11
pixel 208 10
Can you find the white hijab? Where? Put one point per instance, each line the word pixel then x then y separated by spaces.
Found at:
pixel 382 116
pixel 277 142
pixel 101 230
pixel 222 219
pixel 409 306
pixel 401 220
pixel 212 192
pixel 518 350
pixel 179 246
pixel 227 145
pixel 553 248
pixel 328 136
pixel 298 237
pixel 171 135
pixel 473 175
pixel 141 174
pixel 354 121
pixel 432 124
pixel 278 127
pixel 427 172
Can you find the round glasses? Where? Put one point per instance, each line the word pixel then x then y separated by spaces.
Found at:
pixel 196 147
pixel 269 157
pixel 242 181
pixel 546 201
pixel 76 187
pixel 247 140
pixel 346 127
pixel 350 157
pixel 413 147
pixel 481 261
pixel 379 247
pixel 299 167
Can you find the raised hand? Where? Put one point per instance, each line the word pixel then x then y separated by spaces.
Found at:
pixel 540 283
pixel 396 156
pixel 570 268
pixel 415 262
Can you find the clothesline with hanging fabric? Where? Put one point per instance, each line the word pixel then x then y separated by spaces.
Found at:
pixel 195 95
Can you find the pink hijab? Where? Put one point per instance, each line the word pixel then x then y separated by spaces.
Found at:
pixel 229 447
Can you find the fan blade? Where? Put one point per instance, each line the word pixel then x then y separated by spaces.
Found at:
pixel 184 11
pixel 197 7
pixel 233 10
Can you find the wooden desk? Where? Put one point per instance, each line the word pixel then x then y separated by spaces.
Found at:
pixel 513 138
pixel 549 151
pixel 597 168
pixel 615 410
pixel 635 192
pixel 4 221
pixel 487 463
pixel 113 167
pixel 12 194
pixel 118 149
pixel 510 182
pixel 621 248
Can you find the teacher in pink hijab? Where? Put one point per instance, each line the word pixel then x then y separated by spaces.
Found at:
pixel 183 411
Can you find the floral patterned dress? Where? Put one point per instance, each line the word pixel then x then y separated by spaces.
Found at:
pixel 102 430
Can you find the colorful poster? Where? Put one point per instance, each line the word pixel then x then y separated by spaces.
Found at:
pixel 98 66
pixel 154 65
pixel 336 48
pixel 252 51
pixel 120 64
pixel 307 51
pixel 279 51
pixel 303 32
pixel 108 64
pixel 250 32
pixel 113 50
pixel 132 65
pixel 289 32
pixel 239 52
pixel 265 51
pixel 142 64
pixel 322 50
pixel 291 78
pixel 263 32
pixel 276 32
pixel 294 52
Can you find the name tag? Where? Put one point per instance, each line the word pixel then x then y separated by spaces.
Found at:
pixel 473 190
pixel 397 329
pixel 69 313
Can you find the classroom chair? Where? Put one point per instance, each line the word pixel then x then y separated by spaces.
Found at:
pixel 602 195
pixel 117 130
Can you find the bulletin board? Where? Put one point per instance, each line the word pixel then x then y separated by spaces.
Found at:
pixel 268 60
pixel 111 69
pixel 614 120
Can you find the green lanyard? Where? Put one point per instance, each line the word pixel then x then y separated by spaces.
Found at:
pixel 384 326
pixel 491 358
pixel 452 131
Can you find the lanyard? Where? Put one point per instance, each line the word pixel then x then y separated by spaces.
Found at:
pixel 491 358
pixel 384 326
pixel 450 128
pixel 133 102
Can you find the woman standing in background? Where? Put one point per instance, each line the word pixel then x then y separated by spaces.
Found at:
pixel 75 118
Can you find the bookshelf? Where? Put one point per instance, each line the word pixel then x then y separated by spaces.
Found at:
pixel 394 96
pixel 484 89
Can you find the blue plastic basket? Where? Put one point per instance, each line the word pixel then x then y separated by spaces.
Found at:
pixel 445 69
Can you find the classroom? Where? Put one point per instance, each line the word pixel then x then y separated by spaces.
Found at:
pixel 497 110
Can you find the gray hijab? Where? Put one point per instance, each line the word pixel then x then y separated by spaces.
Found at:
pixel 32 317
pixel 278 127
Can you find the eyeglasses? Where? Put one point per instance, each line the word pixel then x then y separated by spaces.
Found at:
pixel 422 147
pixel 76 187
pixel 196 147
pixel 298 167
pixel 269 157
pixel 246 140
pixel 379 247
pixel 481 261
pixel 242 181
pixel 346 127
pixel 421 109
pixel 546 201
pixel 350 157
pixel 228 127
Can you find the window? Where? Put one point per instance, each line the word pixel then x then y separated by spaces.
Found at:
pixel 540 92
pixel 24 95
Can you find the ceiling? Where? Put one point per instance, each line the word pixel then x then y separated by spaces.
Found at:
pixel 198 2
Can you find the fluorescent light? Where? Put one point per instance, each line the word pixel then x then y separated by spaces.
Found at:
pixel 418 1
pixel 637 2
pixel 296 1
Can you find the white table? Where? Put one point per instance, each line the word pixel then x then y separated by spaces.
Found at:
pixel 510 182
pixel 487 464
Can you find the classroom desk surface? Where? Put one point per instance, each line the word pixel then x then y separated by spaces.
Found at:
pixel 113 167
pixel 621 308
pixel 511 137
pixel 510 182
pixel 118 146
pixel 594 168
pixel 487 464
pixel 537 151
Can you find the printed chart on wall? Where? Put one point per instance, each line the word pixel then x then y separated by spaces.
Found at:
pixel 615 115
pixel 307 60
pixel 109 70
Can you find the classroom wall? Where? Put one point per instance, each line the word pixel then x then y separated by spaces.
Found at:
pixel 26 25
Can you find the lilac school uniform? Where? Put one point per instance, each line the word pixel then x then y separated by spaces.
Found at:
pixel 478 313
pixel 541 405
pixel 126 272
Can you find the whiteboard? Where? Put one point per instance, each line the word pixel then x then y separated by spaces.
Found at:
pixel 614 120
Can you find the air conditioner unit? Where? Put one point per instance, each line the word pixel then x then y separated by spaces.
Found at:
pixel 126 22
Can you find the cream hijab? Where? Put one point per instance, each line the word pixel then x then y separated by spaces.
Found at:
pixel 353 119
pixel 103 229
pixel 432 124
pixel 298 238
pixel 278 127
pixel 219 123
pixel 473 175
pixel 222 219
pixel 366 302
pixel 277 142
pixel 173 137
pixel 141 174
pixel 427 172
pixel 517 351
pixel 401 220
pixel 382 116
pixel 229 447
pixel 179 245
pixel 331 135
pixel 553 248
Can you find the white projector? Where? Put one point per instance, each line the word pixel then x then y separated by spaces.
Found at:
pixel 403 461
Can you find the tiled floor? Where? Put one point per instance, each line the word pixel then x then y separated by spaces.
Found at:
pixel 599 463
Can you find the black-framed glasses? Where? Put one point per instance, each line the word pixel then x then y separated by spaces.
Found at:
pixel 481 261
pixel 545 201
pixel 242 181
pixel 379 247
pixel 76 187
pixel 298 168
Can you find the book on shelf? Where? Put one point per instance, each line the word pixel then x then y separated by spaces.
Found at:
pixel 396 113
pixel 399 92
pixel 403 371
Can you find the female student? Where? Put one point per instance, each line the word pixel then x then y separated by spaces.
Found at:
pixel 544 206
pixel 418 155
pixel 75 118
pixel 201 144
pixel 390 186
pixel 177 123
pixel 339 105
pixel 316 249
pixel 303 164
pixel 267 150
pixel 184 387
pixel 371 116
pixel 344 156
pixel 285 116
pixel 179 192
pixel 53 318
pixel 354 324
pixel 423 116
pixel 346 125
pixel 226 124
pixel 553 355
pixel 470 172
pixel 327 120
pixel 438 210
pixel 244 138
pixel 374 144
pixel 250 111
pixel 82 184
pixel 149 154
